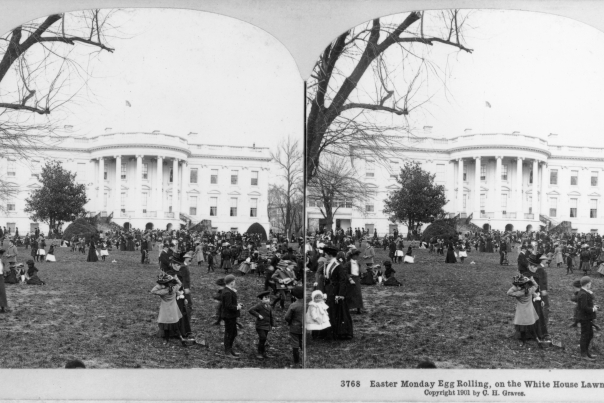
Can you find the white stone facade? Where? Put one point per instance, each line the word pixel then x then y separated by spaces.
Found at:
pixel 494 173
pixel 225 184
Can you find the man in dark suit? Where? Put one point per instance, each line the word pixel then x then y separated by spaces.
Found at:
pixel 164 258
pixel 523 266
pixel 229 313
pixel 586 311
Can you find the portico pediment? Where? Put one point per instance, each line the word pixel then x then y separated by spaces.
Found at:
pixel 594 194
pixel 553 193
pixel 393 187
pixel 484 189
pixel 124 187
pixel 214 192
pixel 575 193
pixel 234 193
pixel 194 191
pixel 254 194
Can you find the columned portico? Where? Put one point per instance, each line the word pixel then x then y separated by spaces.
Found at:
pixel 184 186
pixel 175 187
pixel 101 187
pixel 535 192
pixel 138 186
pixel 159 185
pixel 519 192
pixel 497 195
pixel 460 208
pixel 117 186
pixel 544 178
pixel 477 187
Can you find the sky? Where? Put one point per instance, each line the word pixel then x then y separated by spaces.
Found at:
pixel 540 73
pixel 188 71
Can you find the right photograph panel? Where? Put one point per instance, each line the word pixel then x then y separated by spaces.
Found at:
pixel 453 191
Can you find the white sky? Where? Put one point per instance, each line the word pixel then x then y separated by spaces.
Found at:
pixel 189 71
pixel 541 73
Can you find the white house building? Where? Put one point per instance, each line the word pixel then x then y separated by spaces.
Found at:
pixel 505 181
pixel 146 179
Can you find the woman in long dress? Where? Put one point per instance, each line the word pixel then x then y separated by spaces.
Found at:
pixel 3 300
pixel 558 258
pixel 92 256
pixel 199 254
pixel 450 252
pixel 354 295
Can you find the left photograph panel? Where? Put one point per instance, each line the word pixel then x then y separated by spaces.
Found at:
pixel 151 193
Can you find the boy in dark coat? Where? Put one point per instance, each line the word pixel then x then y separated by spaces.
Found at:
pixel 587 313
pixel 294 318
pixel 218 297
pixel 229 313
pixel 264 321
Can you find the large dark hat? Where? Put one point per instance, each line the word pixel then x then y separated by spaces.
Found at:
pixel 298 292
pixel 263 294
pixel 176 260
pixel 520 280
pixel 330 250
pixel 534 260
pixel 220 282
pixel 164 278
pixel 355 252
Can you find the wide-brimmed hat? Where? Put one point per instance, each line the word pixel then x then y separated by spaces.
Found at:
pixel 330 250
pixel 164 278
pixel 520 280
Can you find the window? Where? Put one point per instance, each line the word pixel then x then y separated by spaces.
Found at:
pixel 369 169
pixel 348 203
pixel 593 208
pixel 483 202
pixel 553 177
pixel 553 206
pixel 531 176
pixel 504 201
pixel 35 169
pixel 465 172
pixel 573 208
pixel 213 206
pixel 193 175
pixel 214 176
pixel 504 172
pixel 254 179
pixel 233 207
pixel 234 229
pixel 123 171
pixel 193 205
pixel 11 169
pixel 465 199
pixel 253 207
pixel 11 206
pixel 594 178
pixel 529 199
pixel 123 201
pixel 144 198
pixel 172 175
pixel 574 178
pixel 440 172
pixel 145 171
pixel 483 172
pixel 234 177
pixel 105 200
pixel 369 208
pixel 81 172
pixel 105 174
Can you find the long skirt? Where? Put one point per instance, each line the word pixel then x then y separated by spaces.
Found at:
pixel 50 258
pixel 342 321
pixel 244 268
pixel 450 257
pixel 354 295
pixel 541 325
pixel 92 257
pixel 226 264
pixel 41 252
pixel 3 301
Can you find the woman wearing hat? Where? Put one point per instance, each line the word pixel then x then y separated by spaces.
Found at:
pixel 353 290
pixel 184 302
pixel 450 252
pixel 169 316
pixel 558 258
pixel 526 317
pixel 3 300
pixel 585 258
pixel 92 257
pixel 336 284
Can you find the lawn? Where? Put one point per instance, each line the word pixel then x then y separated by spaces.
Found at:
pixel 456 315
pixel 104 315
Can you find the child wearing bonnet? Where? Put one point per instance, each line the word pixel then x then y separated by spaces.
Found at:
pixel 317 317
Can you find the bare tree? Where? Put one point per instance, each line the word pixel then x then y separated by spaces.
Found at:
pixel 39 74
pixel 376 67
pixel 337 185
pixel 288 157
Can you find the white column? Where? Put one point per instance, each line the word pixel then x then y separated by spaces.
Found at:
pixel 497 197
pixel 175 187
pixel 117 193
pixel 138 208
pixel 519 192
pixel 450 174
pixel 536 190
pixel 544 187
pixel 477 187
pixel 460 208
pixel 159 187
pixel 184 187
pixel 92 178
pixel 101 185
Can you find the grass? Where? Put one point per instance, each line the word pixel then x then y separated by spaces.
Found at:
pixel 104 315
pixel 456 315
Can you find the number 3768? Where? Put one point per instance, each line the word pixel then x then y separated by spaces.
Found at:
pixel 350 384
